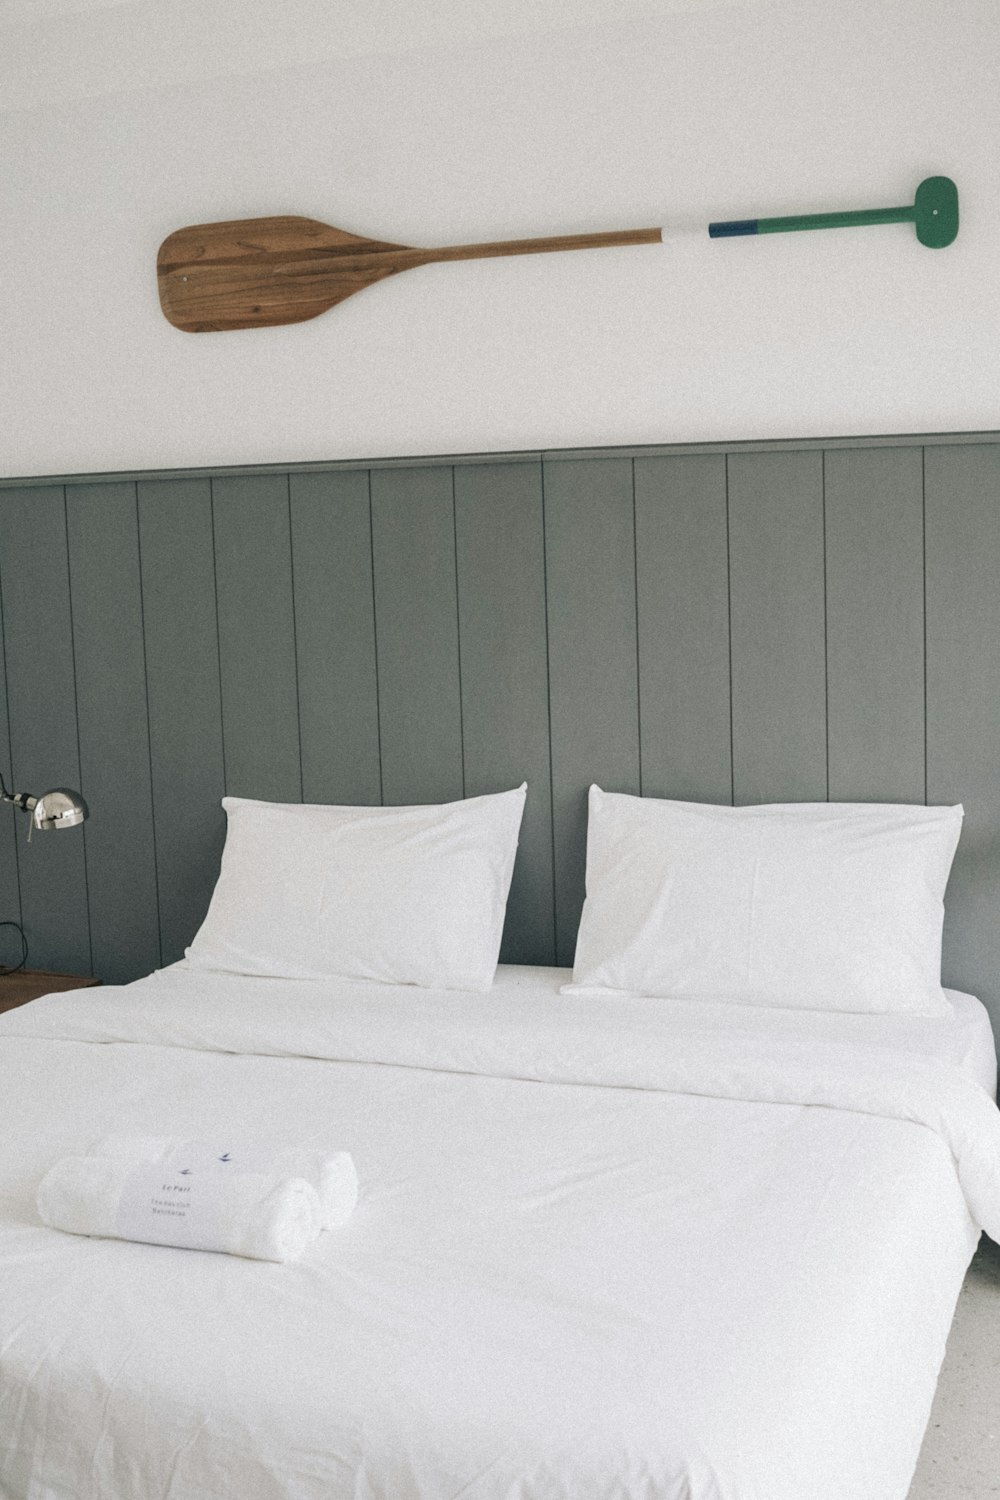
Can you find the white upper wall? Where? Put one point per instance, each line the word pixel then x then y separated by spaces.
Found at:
pixel 459 120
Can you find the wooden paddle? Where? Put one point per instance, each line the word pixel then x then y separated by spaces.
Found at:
pixel 257 273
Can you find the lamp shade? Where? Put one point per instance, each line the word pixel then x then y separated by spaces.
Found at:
pixel 60 808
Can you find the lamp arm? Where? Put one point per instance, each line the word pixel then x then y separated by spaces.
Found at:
pixel 24 800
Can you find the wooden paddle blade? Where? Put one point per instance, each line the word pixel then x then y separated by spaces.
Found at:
pixel 260 273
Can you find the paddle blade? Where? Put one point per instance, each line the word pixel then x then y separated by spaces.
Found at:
pixel 935 212
pixel 260 273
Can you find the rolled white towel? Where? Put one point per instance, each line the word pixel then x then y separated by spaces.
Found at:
pixel 252 1214
pixel 332 1173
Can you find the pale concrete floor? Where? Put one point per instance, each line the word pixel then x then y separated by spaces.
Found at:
pixel 960 1458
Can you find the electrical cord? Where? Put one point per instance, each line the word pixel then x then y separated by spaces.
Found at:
pixel 14 968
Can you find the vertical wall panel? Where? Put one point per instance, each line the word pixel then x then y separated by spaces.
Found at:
pixel 335 637
pixel 184 701
pixel 682 580
pixel 505 713
pixel 778 652
pixel 10 894
pixel 875 624
pixel 41 693
pixel 416 624
pixel 103 534
pixel 963 700
pixel 253 567
pixel 590 563
pixel 455 631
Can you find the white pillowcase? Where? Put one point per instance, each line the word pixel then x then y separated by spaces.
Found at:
pixel 404 895
pixel 825 906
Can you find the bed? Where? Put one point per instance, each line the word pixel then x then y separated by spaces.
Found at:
pixel 686 1222
pixel 603 1248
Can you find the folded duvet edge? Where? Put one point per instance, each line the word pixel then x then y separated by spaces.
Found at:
pixel 253 1215
pixel 332 1173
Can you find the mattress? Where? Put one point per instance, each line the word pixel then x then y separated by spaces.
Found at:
pixel 578 1266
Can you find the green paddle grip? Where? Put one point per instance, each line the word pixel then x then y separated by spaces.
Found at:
pixel 934 213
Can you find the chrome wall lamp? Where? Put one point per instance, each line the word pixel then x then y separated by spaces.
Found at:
pixel 59 808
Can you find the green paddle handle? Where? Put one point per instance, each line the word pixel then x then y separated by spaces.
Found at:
pixel 934 212
pixel 837 221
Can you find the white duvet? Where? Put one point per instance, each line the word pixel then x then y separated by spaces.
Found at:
pixel 605 1247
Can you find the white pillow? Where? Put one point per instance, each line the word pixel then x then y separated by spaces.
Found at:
pixel 825 906
pixel 405 895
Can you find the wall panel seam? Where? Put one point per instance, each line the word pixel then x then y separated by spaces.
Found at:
pixel 923 553
pixel 149 727
pixel 458 631
pixel 638 665
pixel 76 716
pixel 295 632
pixel 826 622
pixel 218 640
pixel 378 696
pixel 548 710
pixel 10 750
pixel 729 635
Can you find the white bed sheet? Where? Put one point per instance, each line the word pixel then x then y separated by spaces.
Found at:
pixel 549 1290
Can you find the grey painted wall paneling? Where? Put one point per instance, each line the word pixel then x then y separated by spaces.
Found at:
pixel 470 608
pixel 103 532
pixel 184 701
pixel 253 570
pixel 778 652
pixel 505 714
pixel 416 623
pixel 593 675
pixel 875 624
pixel 682 582
pixel 963 700
pixel 335 637
pixel 10 894
pixel 41 693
